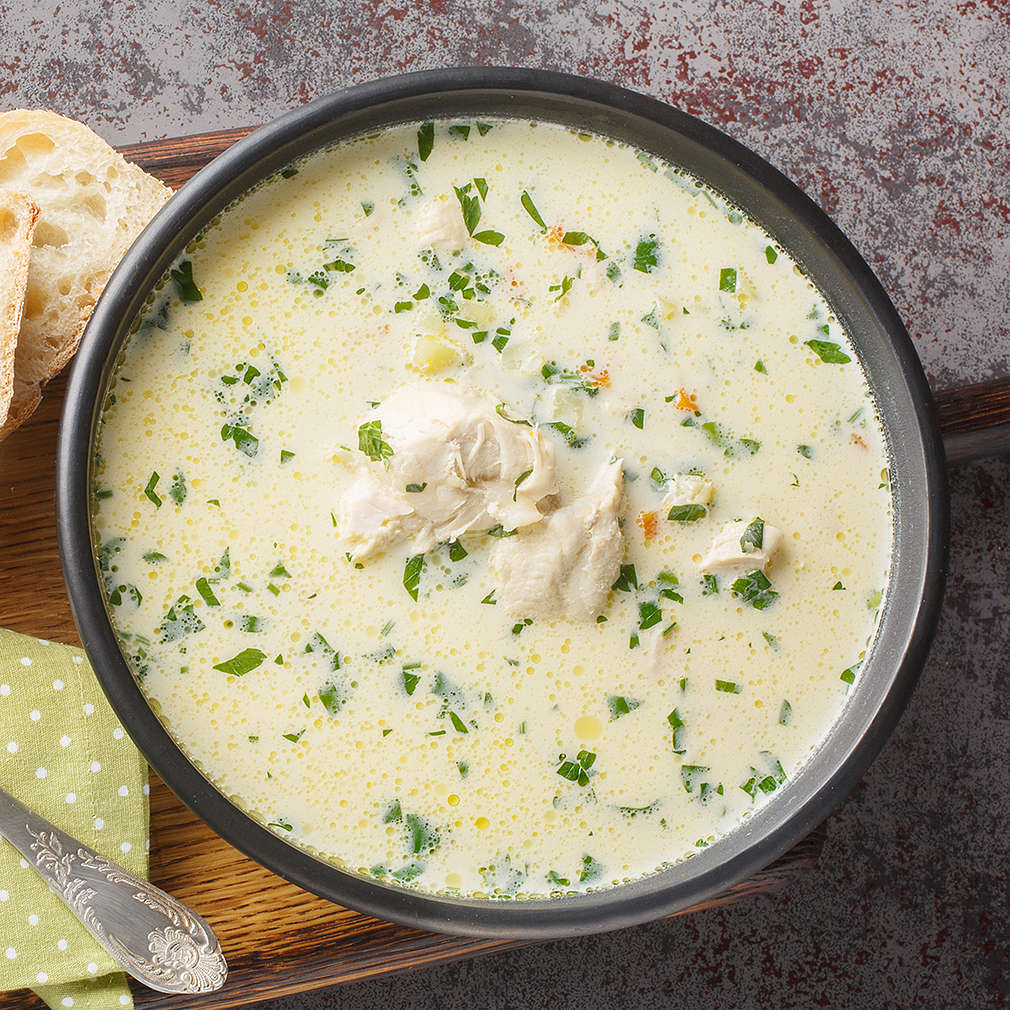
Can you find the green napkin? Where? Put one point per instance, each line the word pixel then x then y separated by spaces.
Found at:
pixel 64 754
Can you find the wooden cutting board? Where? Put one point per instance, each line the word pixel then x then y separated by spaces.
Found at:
pixel 278 939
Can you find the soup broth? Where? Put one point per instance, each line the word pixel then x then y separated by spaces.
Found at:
pixel 621 616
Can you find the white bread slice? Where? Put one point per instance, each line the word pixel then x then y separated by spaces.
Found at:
pixel 17 223
pixel 93 204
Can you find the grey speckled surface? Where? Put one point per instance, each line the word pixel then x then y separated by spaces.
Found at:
pixel 894 117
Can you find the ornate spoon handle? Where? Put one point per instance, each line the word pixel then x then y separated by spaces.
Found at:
pixel 157 939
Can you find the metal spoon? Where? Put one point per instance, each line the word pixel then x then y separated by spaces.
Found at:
pixel 157 939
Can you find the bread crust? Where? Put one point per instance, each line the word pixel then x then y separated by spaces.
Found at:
pixel 92 205
pixel 18 215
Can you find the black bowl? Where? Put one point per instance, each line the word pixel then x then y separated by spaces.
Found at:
pixel 858 300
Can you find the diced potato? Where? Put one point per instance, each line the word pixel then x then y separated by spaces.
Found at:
pixel 434 353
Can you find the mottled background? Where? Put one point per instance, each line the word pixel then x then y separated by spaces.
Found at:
pixel 894 117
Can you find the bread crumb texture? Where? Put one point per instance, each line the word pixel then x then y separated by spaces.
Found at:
pixel 89 204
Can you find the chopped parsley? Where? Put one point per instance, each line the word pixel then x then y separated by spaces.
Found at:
pixel 177 490
pixel 637 418
pixel 185 286
pixel 527 201
pixel 690 776
pixel 519 480
pixel 620 705
pixel 753 537
pixel 687 513
pixel 562 287
pixel 627 581
pixel 755 588
pixel 645 254
pixel 425 140
pixel 246 661
pixel 649 615
pixel 411 680
pixel 203 588
pixel 849 674
pixel 333 696
pixel 150 492
pixel 678 727
pixel 828 351
pixel 500 532
pixel 412 575
pixel 579 770
pixel 245 441
pixel 370 442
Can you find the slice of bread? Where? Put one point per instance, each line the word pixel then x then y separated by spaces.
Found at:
pixel 93 204
pixel 17 224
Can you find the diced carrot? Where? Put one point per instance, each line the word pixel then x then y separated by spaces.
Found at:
pixel 600 378
pixel 857 440
pixel 554 237
pixel 687 401
pixel 650 525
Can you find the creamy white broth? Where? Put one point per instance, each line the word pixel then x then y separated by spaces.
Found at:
pixel 443 742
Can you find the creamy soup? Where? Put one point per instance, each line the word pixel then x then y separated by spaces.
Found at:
pixel 492 509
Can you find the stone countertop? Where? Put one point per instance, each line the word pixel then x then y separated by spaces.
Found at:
pixel 894 118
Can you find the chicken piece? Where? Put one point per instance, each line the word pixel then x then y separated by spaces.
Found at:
pixel 566 564
pixel 440 224
pixel 372 517
pixel 456 465
pixel 688 489
pixel 732 551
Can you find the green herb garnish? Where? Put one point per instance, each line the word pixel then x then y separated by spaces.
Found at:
pixel 246 661
pixel 177 490
pixel 527 201
pixel 828 352
pixel 150 492
pixel 412 575
pixel 578 770
pixel 203 588
pixel 185 286
pixel 627 581
pixel 619 705
pixel 687 513
pixel 645 254
pixel 677 725
pixel 754 588
pixel 370 442
pixel 753 537
pixel 425 140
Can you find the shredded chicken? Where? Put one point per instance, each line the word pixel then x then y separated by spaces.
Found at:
pixel 456 465
pixel 440 224
pixel 566 564
pixel 727 553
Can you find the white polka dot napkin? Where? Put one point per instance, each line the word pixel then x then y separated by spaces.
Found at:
pixel 64 754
